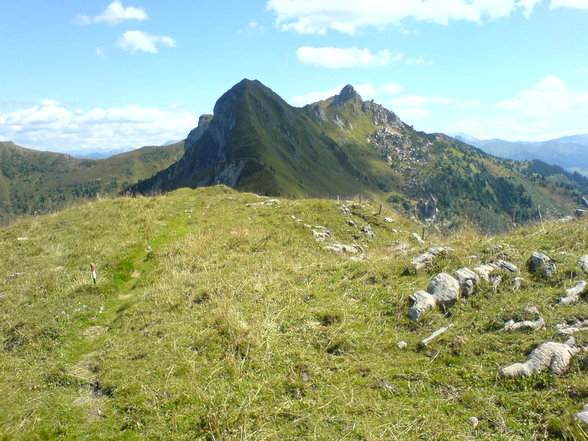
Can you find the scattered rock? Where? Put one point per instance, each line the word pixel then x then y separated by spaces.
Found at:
pixel 549 355
pixel 321 233
pixel 583 263
pixel 572 295
pixel 582 416
pixel 531 310
pixel 485 270
pixel 22 238
pixel 518 281
pixel 343 209
pixel 401 344
pixel 388 220
pixel 14 276
pixel 495 280
pixel 581 325
pixel 468 280
pixel 473 421
pixel 264 203
pixel 350 222
pixel 401 247
pixel 525 325
pixel 565 219
pixel 369 232
pixel 444 289
pixel 341 248
pixel 538 260
pixel 427 257
pixel 416 237
pixel 580 213
pixel 507 266
pixel 422 302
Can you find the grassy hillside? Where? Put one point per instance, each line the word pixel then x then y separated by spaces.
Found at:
pixel 32 181
pixel 218 316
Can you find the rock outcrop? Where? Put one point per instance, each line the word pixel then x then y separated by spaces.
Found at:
pixel 525 325
pixel 427 257
pixel 468 280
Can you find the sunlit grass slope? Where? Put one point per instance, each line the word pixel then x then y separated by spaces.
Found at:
pixel 213 319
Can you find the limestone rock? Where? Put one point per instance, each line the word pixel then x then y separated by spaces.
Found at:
pixel 468 280
pixel 368 231
pixel 549 355
pixel 320 234
pixel 388 220
pixel 572 295
pixel 444 289
pixel 549 269
pixel 582 416
pixel 538 260
pixel 507 266
pixel 341 248
pixel 473 421
pixel 518 281
pixel 401 344
pixel 531 310
pixel 525 325
pixel 417 238
pixel 583 263
pixel 427 257
pixel 343 209
pixel 485 270
pixel 579 212
pixel 422 303
pixel 264 203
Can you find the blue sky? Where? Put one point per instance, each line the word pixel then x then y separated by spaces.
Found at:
pixel 98 75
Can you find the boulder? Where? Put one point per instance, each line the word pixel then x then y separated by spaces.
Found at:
pixel 549 355
pixel 444 289
pixel 422 303
pixel 468 280
pixel 572 295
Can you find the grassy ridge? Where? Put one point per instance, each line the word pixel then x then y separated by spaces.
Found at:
pixel 216 320
pixel 33 181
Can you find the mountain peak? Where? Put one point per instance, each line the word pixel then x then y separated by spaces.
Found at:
pixel 348 93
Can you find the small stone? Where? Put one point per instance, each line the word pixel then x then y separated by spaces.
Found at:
pixel 401 344
pixel 350 222
pixel 388 220
pixel 417 238
pixel 343 209
pixel 531 310
pixel 518 281
pixel 580 213
pixel 583 263
pixel 473 421
pixel 549 269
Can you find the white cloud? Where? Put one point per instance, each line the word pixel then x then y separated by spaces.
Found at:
pixel 391 88
pixel 113 14
pixel 574 4
pixel 347 16
pixel 549 98
pixel 134 41
pixel 51 125
pixel 337 58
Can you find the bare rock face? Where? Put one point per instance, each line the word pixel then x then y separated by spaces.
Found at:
pixel 444 289
pixel 468 280
pixel 572 295
pixel 549 355
pixel 422 303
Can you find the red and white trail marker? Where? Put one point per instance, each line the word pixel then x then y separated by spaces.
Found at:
pixel 93 271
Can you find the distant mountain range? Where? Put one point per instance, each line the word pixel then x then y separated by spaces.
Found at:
pixel 569 152
pixel 345 146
